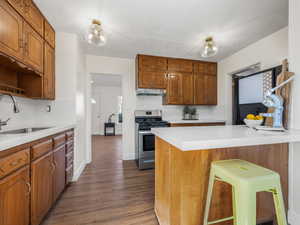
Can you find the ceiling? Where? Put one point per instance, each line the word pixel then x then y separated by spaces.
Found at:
pixel 168 27
pixel 108 80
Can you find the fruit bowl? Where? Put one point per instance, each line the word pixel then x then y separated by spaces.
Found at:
pixel 253 123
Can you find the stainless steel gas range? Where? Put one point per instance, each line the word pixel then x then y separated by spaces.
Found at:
pixel 144 139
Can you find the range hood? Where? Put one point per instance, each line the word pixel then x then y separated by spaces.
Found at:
pixel 150 92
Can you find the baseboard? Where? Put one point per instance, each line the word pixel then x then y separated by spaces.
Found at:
pixel 293 217
pixel 129 156
pixel 78 172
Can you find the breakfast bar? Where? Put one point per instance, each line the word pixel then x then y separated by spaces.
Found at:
pixel 182 164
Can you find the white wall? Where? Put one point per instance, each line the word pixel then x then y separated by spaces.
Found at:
pixel 125 68
pixel 69 106
pixel 106 98
pixel 269 51
pixel 294 66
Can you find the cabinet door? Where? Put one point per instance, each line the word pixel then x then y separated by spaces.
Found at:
pixel 14 198
pixel 210 91
pixel 11 31
pixel 34 49
pixel 174 94
pixel 34 17
pixel 188 88
pixel 199 89
pixel 59 177
pixel 49 73
pixel 17 5
pixel 180 65
pixel 42 187
pixel 152 79
pixel 49 34
pixel 152 63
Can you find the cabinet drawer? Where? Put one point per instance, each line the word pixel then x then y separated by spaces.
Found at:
pixel 41 149
pixel 69 147
pixel 69 174
pixel 13 162
pixel 69 159
pixel 59 140
pixel 70 135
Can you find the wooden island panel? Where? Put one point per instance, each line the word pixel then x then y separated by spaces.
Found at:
pixel 181 180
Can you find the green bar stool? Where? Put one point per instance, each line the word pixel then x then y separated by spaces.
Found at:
pixel 246 180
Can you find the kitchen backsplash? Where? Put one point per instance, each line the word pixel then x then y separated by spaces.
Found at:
pixel 175 112
pixel 34 112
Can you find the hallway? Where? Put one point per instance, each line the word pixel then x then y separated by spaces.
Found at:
pixel 109 192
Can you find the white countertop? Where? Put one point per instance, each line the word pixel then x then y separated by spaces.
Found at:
pixel 201 138
pixel 12 140
pixel 197 121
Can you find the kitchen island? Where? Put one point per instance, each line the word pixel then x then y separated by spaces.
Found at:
pixel 182 163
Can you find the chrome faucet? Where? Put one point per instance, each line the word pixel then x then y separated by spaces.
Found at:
pixel 16 107
pixel 3 123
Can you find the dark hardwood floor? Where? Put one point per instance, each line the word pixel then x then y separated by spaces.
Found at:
pixel 109 192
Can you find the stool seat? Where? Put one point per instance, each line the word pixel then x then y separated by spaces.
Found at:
pixel 241 171
pixel 246 180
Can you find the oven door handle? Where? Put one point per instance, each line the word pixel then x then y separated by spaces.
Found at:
pixel 145 132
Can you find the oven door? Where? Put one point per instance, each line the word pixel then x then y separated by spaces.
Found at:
pixel 146 145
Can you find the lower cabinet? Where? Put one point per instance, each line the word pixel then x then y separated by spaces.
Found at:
pixel 42 171
pixel 15 198
pixel 59 178
pixel 29 186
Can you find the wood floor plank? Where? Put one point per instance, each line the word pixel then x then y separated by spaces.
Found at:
pixel 109 192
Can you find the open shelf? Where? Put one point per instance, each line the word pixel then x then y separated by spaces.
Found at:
pixel 7 89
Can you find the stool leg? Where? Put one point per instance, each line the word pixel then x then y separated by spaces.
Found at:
pixel 245 201
pixel 209 195
pixel 279 206
pixel 234 206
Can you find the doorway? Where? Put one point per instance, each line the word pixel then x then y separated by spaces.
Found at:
pixel 107 104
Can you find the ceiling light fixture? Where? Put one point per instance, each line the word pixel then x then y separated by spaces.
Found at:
pixel 210 48
pixel 95 34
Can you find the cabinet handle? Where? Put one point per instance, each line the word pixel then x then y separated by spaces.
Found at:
pixel 29 188
pixel 53 167
pixel 21 43
pixel 14 163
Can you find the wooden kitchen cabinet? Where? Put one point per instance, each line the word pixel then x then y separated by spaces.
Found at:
pixel 180 65
pixel 205 87
pixel 11 32
pixel 15 198
pixel 34 48
pixel 188 89
pixel 210 90
pixel 49 34
pixel 18 5
pixel 22 51
pixel 42 171
pixel 151 72
pixel 187 82
pixel 59 172
pixel 49 72
pixel 199 98
pixel 180 90
pixel 34 17
pixel 174 95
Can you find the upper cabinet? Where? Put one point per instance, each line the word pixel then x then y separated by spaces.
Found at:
pixel 34 17
pixel 25 35
pixel 33 48
pixel 180 65
pixel 187 82
pixel 11 32
pixel 151 72
pixel 49 34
